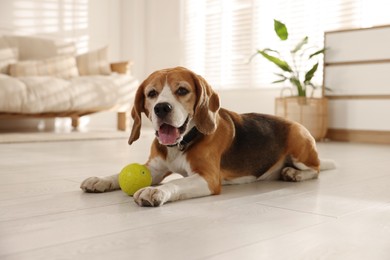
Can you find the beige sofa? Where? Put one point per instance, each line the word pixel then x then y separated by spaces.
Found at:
pixel 45 78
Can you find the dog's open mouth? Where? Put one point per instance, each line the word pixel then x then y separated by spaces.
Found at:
pixel 170 135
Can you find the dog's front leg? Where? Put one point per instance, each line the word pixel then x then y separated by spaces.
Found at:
pixel 110 183
pixel 100 184
pixel 180 189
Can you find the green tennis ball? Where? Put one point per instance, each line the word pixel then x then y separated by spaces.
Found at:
pixel 134 177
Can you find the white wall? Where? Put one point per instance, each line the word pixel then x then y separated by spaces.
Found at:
pixel 105 26
pixel 151 34
pixel 133 24
pixel 163 34
pixel 249 100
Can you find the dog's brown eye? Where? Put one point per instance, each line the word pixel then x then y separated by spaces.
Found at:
pixel 153 93
pixel 182 91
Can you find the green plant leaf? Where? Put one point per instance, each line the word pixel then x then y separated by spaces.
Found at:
pixel 297 83
pixel 280 75
pixel 282 78
pixel 278 62
pixel 251 57
pixel 314 86
pixel 300 44
pixel 317 52
pixel 280 30
pixel 270 50
pixel 278 81
pixel 257 52
pixel 309 75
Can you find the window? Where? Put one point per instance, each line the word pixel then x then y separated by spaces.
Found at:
pixel 66 19
pixel 221 35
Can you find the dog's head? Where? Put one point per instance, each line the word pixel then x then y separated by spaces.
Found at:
pixel 175 100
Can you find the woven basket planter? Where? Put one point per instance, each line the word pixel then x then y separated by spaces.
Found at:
pixel 309 112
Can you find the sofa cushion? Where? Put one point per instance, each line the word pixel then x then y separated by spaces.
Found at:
pixel 12 94
pixel 45 94
pixel 61 66
pixel 94 62
pixel 102 92
pixel 34 95
pixel 7 56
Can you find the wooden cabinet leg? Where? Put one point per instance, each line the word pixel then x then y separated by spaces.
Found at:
pixel 75 122
pixel 122 121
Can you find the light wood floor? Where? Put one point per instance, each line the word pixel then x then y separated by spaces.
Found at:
pixel 345 214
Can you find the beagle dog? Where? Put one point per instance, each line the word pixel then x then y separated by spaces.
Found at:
pixel 208 145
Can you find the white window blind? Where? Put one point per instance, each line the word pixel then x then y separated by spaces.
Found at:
pixel 221 35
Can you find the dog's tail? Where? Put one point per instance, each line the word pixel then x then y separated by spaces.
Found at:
pixel 327 164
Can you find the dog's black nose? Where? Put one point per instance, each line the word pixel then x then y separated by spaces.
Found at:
pixel 162 109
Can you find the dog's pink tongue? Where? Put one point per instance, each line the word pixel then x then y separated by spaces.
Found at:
pixel 168 134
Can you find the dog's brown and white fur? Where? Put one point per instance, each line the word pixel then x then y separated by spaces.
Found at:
pixel 223 148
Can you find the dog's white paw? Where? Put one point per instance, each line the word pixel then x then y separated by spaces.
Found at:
pixel 151 197
pixel 291 174
pixel 96 184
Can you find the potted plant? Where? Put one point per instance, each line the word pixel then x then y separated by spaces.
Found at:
pixel 299 72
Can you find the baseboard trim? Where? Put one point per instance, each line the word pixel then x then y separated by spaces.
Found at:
pixel 361 136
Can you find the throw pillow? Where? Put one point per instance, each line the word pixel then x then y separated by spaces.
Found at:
pixel 7 56
pixel 94 62
pixel 61 66
pixel 3 43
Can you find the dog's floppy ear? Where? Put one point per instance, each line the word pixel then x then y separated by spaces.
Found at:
pixel 138 108
pixel 206 106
